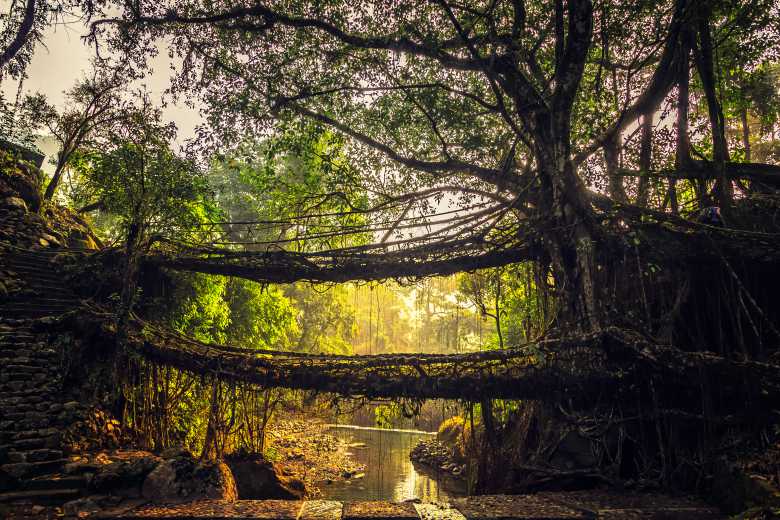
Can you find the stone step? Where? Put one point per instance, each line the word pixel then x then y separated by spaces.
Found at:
pixel 34 456
pixel 42 496
pixel 44 301
pixel 21 369
pixel 29 260
pixel 40 302
pixel 37 274
pixel 22 470
pixel 54 482
pixel 29 444
pixel 59 292
pixel 32 308
pixel 16 338
pixel 33 280
pixel 54 283
pixel 34 312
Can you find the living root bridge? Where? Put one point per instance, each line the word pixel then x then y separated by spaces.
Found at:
pixel 332 267
pixel 586 367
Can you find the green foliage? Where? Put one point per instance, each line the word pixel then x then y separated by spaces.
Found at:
pixel 385 415
pixel 138 178
pixel 197 307
pixel 325 319
pixel 510 297
pixel 300 171
pixel 260 317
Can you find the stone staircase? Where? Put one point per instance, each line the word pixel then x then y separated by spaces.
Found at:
pixel 31 457
pixel 43 294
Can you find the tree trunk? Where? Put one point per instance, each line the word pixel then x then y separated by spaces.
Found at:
pixel 612 158
pixel 210 441
pixel 486 407
pixel 645 159
pixel 569 239
pixel 705 65
pixel 497 304
pixel 683 146
pixel 55 180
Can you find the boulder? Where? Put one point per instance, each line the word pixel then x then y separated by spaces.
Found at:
pixel 20 180
pixel 183 478
pixel 80 240
pixel 81 507
pixel 126 475
pixel 259 479
pixel 15 203
pixel 176 452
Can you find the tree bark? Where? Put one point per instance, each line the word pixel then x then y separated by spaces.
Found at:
pixel 569 241
pixel 55 179
pixel 612 159
pixel 705 64
pixel 683 145
pixel 645 160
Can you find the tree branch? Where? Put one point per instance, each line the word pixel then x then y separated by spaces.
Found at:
pixel 25 28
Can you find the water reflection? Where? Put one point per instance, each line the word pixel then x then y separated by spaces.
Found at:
pixel 389 474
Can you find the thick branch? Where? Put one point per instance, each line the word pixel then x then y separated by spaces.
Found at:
pixel 22 34
pixel 659 86
pixel 450 166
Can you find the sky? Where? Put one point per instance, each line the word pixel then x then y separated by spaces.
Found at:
pixel 64 58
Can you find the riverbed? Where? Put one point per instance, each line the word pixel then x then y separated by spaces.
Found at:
pixel 389 474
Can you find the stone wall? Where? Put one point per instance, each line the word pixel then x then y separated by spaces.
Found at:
pixel 32 411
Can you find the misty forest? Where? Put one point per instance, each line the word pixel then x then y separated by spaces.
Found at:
pixel 439 259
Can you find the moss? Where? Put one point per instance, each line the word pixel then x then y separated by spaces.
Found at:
pixel 20 178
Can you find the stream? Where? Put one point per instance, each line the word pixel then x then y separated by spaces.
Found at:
pixel 389 474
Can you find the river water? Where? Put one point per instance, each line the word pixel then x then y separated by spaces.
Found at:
pixel 389 474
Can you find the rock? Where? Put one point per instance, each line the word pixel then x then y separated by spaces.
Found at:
pixel 259 479
pixel 175 452
pixel 124 474
pixel 81 468
pixel 15 203
pixel 80 508
pixel 81 240
pixel 185 479
pixel 50 239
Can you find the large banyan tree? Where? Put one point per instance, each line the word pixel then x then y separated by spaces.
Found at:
pixel 608 142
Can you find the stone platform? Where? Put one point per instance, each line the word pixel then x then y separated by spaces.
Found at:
pixel 542 506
